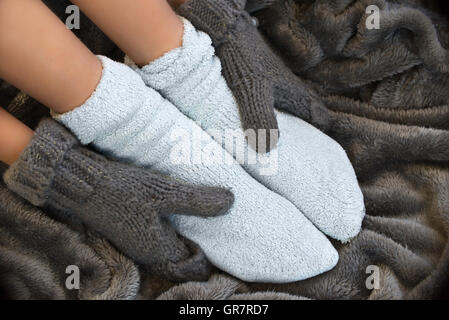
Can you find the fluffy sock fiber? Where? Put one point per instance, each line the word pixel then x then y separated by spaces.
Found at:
pixel 307 167
pixel 263 238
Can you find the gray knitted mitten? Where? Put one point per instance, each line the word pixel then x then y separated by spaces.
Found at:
pixel 127 205
pixel 257 77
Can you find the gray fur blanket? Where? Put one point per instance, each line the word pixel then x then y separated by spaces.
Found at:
pixel 387 92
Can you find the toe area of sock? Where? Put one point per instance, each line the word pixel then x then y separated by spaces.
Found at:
pixel 342 217
pixel 322 182
pixel 348 210
pixel 344 227
pixel 273 246
pixel 275 264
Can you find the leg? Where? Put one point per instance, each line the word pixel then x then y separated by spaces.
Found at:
pixel 39 55
pixel 14 137
pixel 144 29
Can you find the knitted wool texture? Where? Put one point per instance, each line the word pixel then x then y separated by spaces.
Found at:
pixel 125 204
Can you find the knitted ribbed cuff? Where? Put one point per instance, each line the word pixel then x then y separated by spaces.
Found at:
pixel 216 17
pixel 32 175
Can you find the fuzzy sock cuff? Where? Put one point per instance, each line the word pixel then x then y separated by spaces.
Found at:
pixel 32 175
pixel 190 73
pixel 179 64
pixel 118 96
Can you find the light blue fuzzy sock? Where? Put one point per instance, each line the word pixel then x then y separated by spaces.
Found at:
pixel 308 168
pixel 263 238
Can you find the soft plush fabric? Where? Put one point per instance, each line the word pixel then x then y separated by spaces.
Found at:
pixel 221 287
pixel 126 204
pixel 35 252
pixel 306 166
pixel 400 156
pixel 346 54
pixel 265 240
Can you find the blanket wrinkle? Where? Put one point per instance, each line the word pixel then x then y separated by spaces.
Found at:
pixel 390 112
pixel 221 287
pixel 346 54
pixel 436 117
pixel 416 89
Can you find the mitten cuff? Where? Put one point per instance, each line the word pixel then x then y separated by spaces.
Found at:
pixel 32 175
pixel 215 17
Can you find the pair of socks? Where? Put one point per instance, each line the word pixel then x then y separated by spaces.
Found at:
pixel 264 237
pixel 308 168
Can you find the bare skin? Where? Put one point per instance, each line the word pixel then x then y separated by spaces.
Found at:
pixel 144 29
pixel 14 137
pixel 53 66
pixel 40 56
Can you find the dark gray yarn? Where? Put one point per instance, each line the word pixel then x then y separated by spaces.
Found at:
pixel 127 205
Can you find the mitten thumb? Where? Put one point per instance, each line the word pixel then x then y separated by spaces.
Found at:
pixel 201 201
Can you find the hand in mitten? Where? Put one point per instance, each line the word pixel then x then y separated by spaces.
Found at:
pixel 127 205
pixel 257 77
